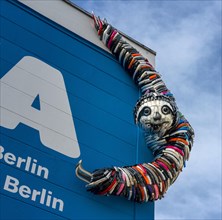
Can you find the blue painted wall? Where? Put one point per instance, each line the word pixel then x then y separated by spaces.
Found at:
pixel 101 97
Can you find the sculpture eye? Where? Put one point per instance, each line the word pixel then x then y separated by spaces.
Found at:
pixel 146 111
pixel 165 110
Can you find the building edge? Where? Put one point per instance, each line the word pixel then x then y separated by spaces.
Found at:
pixel 82 26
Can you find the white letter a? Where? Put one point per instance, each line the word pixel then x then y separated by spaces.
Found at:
pixel 34 93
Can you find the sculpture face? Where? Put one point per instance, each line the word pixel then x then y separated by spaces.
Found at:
pixel 155 116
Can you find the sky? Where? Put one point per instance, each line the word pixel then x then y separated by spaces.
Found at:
pixel 187 38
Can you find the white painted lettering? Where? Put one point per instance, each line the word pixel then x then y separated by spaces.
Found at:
pixel 20 161
pixel 48 200
pixel 30 80
pixel 42 171
pixel 11 184
pixel 28 162
pixel 35 193
pixel 43 196
pixel 24 164
pixel 9 158
pixel 33 165
pixel 1 152
pixel 24 191
pixel 57 201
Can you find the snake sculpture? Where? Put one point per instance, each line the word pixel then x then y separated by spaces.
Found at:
pixel 167 133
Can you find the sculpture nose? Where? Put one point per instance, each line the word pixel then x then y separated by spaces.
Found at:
pixel 157 116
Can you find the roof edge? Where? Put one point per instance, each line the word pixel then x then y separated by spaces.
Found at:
pixel 123 34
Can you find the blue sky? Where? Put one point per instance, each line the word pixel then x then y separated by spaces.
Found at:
pixel 187 38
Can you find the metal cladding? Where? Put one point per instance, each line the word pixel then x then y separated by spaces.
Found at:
pixel 167 133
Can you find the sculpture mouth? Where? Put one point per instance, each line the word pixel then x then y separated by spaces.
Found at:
pixel 156 127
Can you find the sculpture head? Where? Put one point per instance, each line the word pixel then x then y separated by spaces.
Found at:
pixel 155 113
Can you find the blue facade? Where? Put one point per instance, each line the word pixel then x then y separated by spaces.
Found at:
pixel 101 97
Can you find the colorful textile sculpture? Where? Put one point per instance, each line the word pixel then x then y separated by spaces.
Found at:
pixel 167 133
